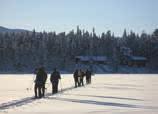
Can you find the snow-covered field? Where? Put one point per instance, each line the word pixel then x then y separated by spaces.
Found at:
pixel 108 94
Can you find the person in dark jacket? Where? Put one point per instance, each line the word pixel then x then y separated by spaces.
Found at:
pixel 81 76
pixel 75 75
pixel 40 80
pixel 88 76
pixel 44 81
pixel 55 76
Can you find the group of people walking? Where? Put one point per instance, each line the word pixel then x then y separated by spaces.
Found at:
pixel 79 77
pixel 40 81
pixel 41 78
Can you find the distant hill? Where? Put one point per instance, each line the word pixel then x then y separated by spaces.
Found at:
pixel 4 29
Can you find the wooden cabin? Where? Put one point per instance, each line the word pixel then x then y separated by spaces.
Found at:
pixel 137 61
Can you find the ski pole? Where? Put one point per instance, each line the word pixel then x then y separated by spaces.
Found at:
pixel 61 85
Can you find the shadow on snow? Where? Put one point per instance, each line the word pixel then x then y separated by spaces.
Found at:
pixel 95 102
pixel 27 100
pixel 109 97
pixel 101 103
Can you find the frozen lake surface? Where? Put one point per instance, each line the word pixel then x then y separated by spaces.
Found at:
pixel 108 94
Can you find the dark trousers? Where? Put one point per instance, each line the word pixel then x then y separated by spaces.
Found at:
pixel 55 87
pixel 81 81
pixel 88 80
pixel 76 82
pixel 43 90
pixel 37 90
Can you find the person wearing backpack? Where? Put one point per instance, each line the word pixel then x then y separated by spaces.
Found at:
pixel 54 78
pixel 39 88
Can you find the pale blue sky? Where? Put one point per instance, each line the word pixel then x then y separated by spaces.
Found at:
pixel 65 15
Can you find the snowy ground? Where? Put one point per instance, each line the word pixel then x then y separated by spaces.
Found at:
pixel 108 94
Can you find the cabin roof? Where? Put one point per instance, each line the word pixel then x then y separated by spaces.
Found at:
pixel 138 58
pixel 92 58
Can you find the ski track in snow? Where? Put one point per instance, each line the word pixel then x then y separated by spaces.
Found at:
pixel 27 100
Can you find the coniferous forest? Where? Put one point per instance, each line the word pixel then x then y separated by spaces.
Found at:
pixel 24 51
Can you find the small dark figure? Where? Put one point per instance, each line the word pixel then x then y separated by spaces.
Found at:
pixel 80 77
pixel 40 80
pixel 55 76
pixel 88 76
pixel 76 78
pixel 44 81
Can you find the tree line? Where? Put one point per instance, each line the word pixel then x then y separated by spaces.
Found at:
pixel 24 51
